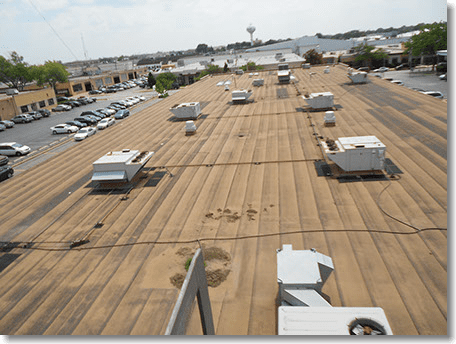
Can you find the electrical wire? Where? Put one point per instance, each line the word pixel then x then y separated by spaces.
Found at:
pixel 55 32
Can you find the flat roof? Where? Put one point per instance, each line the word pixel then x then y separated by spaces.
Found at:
pixel 244 185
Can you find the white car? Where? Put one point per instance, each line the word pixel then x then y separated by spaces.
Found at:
pixel 381 70
pixel 62 107
pixel 64 129
pixel 84 133
pixel 13 148
pixel 105 122
pixel 397 82
pixel 435 94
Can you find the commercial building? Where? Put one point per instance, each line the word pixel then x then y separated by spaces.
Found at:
pixel 26 101
pixel 83 84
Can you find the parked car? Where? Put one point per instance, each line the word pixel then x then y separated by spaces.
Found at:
pixel 4 160
pixel 96 118
pixel 2 127
pixel 84 133
pixel 29 117
pixel 381 70
pixel 93 113
pixel 13 148
pixel 44 112
pixel 87 120
pixel 21 119
pixel 397 82
pixel 7 124
pixel 64 129
pixel 35 114
pixel 402 66
pixel 62 107
pixel 76 124
pixel 122 114
pixel 435 94
pixel 6 172
pixel 443 77
pixel 105 122
pixel 94 92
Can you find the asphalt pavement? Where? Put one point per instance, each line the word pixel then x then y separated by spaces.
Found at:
pixel 37 134
pixel 427 81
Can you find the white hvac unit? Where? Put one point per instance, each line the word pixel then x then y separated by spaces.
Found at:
pixel 358 77
pixel 327 70
pixel 284 76
pixel 303 311
pixel 306 65
pixel 240 96
pixel 190 128
pixel 330 118
pixel 119 166
pixel 186 110
pixel 359 153
pixel 322 100
pixel 326 321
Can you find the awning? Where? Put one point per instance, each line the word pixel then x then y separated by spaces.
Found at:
pixel 109 176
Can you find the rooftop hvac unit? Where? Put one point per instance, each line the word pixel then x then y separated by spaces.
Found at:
pixel 284 76
pixel 322 100
pixel 330 119
pixel 186 110
pixel 306 65
pixel 119 166
pixel 190 128
pixel 326 321
pixel 360 153
pixel 303 311
pixel 258 82
pixel 358 77
pixel 240 96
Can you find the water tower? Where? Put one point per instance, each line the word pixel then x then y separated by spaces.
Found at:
pixel 251 29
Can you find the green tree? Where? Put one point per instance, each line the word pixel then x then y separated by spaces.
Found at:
pixel 15 72
pixel 251 66
pixel 432 37
pixel 367 54
pixel 50 73
pixel 151 80
pixel 164 82
pixel 313 57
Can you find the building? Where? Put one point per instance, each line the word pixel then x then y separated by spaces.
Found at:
pixel 82 84
pixel 26 101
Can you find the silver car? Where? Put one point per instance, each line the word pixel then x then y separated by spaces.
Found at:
pixel 13 148
pixel 64 129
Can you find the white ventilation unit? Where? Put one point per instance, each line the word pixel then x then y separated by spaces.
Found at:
pixel 357 77
pixel 284 76
pixel 240 96
pixel 322 100
pixel 303 311
pixel 359 153
pixel 330 118
pixel 119 166
pixel 186 110
pixel 190 128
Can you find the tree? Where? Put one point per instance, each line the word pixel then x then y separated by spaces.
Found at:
pixel 164 82
pixel 151 80
pixel 432 37
pixel 50 73
pixel 367 54
pixel 201 48
pixel 15 72
pixel 313 57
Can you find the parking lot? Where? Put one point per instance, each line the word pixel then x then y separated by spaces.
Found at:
pixel 426 81
pixel 38 136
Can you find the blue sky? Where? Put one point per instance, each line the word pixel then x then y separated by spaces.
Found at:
pixel 114 27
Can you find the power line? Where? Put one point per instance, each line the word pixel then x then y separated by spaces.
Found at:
pixel 63 42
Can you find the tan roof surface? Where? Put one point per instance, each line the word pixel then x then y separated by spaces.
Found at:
pixel 248 170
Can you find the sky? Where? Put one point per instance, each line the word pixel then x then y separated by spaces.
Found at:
pixel 47 30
